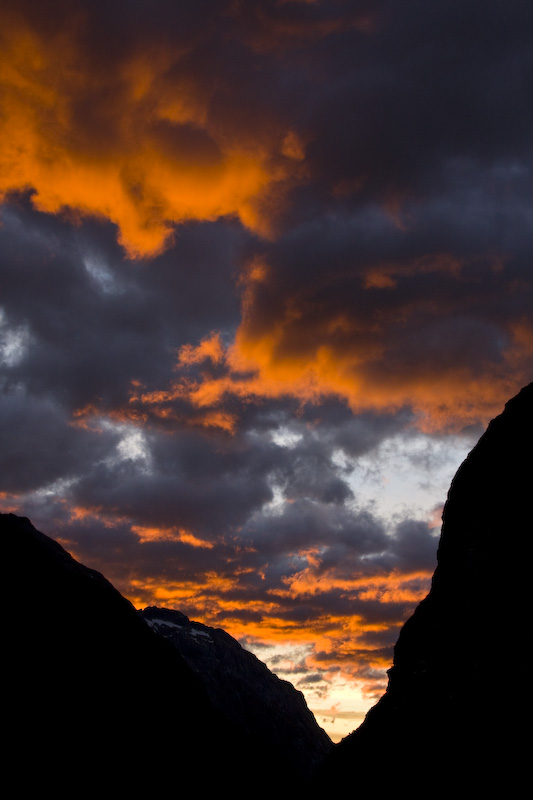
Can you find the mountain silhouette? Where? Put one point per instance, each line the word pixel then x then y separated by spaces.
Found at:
pixel 95 697
pixel 452 718
pixel 244 690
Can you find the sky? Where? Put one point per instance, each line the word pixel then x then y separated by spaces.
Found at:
pixel 265 276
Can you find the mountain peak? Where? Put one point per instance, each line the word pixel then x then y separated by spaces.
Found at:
pixel 245 691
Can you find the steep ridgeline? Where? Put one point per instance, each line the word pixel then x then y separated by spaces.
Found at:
pixel 268 709
pixel 95 700
pixel 452 719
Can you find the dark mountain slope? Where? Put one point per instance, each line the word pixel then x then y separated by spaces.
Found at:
pixel 268 709
pixel 452 718
pixel 95 700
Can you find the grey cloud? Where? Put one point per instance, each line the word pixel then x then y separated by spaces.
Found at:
pixel 39 447
pixel 417 138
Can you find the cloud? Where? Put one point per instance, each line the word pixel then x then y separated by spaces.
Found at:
pixel 265 274
pixel 123 121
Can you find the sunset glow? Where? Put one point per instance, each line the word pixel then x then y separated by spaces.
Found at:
pixel 264 279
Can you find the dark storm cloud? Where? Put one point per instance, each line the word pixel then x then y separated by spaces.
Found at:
pixel 437 301
pixel 218 485
pixel 430 84
pixel 39 448
pixel 96 322
pixel 406 244
pixel 272 236
pixel 93 324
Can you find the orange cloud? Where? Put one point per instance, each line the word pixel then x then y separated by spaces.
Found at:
pixel 309 351
pixel 387 588
pixel 215 598
pixel 259 367
pixel 336 644
pixel 134 143
pixel 347 643
pixel 210 348
pixel 146 534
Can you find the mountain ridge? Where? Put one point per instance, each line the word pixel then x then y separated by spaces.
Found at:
pixel 95 686
pixel 243 688
pixel 437 722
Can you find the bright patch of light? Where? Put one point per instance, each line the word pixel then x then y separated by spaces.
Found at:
pixel 277 504
pixel 132 444
pixel 14 342
pixel 342 710
pixel 133 447
pixel 58 488
pixel 286 437
pixel 101 274
pixel 339 707
pixel 405 475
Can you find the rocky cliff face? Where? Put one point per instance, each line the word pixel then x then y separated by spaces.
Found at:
pixel 452 716
pixel 95 698
pixel 244 690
